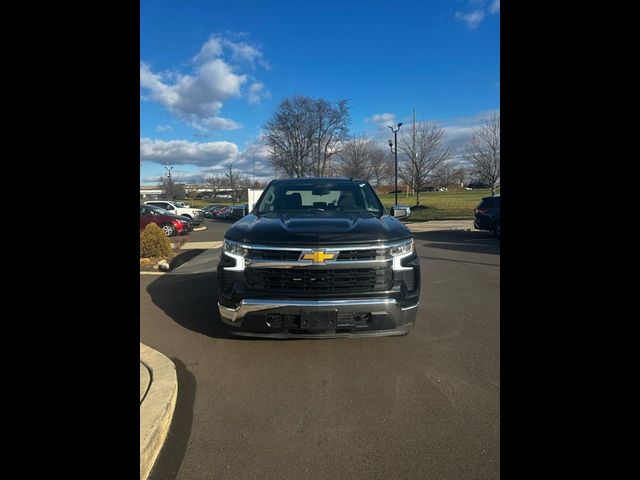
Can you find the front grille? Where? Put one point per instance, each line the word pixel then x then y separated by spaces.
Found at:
pixel 361 255
pixel 320 280
pixel 274 254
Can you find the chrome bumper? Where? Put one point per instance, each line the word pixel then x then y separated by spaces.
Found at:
pixel 234 316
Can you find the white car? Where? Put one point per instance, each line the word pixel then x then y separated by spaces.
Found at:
pixel 194 214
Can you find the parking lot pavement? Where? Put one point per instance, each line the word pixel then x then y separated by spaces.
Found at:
pixel 421 406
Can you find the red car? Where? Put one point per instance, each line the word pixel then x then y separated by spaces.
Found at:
pixel 169 223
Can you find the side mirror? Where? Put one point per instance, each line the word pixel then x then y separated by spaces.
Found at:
pixel 400 211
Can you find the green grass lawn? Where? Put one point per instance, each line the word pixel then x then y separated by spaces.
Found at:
pixel 454 205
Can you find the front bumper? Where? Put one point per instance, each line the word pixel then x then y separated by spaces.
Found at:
pixel 375 317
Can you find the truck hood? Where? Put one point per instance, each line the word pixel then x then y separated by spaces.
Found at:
pixel 299 229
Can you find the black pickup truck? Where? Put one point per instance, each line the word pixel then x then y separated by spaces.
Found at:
pixel 319 257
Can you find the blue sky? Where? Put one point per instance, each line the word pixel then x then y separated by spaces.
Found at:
pixel 212 73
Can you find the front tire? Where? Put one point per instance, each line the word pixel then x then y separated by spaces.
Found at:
pixel 168 229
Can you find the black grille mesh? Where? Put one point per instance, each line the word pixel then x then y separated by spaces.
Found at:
pixel 320 280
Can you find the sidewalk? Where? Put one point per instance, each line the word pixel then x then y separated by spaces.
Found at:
pixel 158 393
pixel 440 225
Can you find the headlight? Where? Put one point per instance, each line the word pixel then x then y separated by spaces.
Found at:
pixel 402 249
pixel 234 248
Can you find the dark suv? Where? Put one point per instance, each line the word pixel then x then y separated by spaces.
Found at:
pixel 487 215
pixel 319 257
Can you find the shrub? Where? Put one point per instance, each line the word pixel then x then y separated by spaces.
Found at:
pixel 154 242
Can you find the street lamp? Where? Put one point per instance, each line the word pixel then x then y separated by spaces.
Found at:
pixel 168 169
pixel 395 152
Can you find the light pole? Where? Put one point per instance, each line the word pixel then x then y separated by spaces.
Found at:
pixel 168 169
pixel 395 152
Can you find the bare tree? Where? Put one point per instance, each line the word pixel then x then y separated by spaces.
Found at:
pixel 215 183
pixel 429 155
pixel 381 167
pixel 238 183
pixel 483 150
pixel 304 134
pixel 171 189
pixel 461 174
pixel 332 130
pixel 290 136
pixel 356 158
pixel 165 186
pixel 443 175
pixel 191 189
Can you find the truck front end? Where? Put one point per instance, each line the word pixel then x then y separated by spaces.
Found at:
pixel 303 267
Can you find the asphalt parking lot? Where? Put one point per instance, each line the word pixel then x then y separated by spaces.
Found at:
pixel 416 407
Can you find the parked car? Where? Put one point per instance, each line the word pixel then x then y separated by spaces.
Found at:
pixel 210 210
pixel 222 195
pixel 233 212
pixel 169 223
pixel 172 207
pixel 487 215
pixel 319 257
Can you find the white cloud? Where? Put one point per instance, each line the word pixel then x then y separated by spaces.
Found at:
pixel 212 48
pixel 212 158
pixel 163 128
pixel 241 51
pixel 257 93
pixel 472 19
pixel 197 98
pixel 495 6
pixel 248 53
pixel 183 152
pixel 382 119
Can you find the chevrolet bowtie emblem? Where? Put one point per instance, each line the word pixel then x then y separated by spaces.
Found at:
pixel 318 256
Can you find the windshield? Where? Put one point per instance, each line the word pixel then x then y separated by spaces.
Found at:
pixel 338 196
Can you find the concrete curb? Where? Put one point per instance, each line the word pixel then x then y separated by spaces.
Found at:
pixel 199 229
pixel 156 407
pixel 202 245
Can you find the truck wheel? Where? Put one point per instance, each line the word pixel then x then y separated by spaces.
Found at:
pixel 168 229
pixel 496 229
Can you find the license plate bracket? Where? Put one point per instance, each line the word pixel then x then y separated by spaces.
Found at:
pixel 319 319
